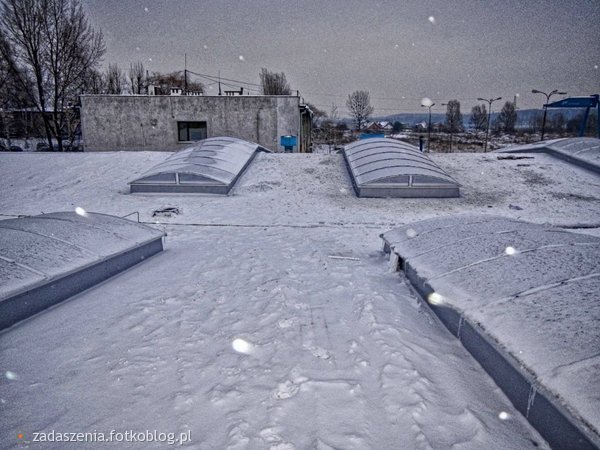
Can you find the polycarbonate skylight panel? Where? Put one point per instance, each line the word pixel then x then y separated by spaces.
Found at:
pixel 212 162
pixel 388 168
pixel 380 154
pixel 361 146
pixel 388 160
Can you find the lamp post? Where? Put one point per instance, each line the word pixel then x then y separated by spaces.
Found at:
pixel 427 103
pixel 487 132
pixel 550 94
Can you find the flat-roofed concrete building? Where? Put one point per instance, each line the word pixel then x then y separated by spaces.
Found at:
pixel 172 122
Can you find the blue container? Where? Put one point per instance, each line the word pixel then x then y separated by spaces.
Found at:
pixel 371 135
pixel 288 141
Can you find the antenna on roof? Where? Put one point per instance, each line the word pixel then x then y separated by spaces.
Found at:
pixel 185 74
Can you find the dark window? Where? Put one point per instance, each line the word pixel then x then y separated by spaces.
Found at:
pixel 191 131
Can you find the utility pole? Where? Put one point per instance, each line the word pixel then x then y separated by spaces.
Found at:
pixel 185 74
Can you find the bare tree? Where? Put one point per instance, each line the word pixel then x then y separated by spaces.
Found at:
pixel 454 120
pixel 318 115
pixel 274 83
pixel 558 122
pixel 535 122
pixel 479 117
pixel 359 105
pixel 136 77
pixel 114 79
pixel 95 82
pixel 52 43
pixel 12 93
pixel 334 114
pixel 507 119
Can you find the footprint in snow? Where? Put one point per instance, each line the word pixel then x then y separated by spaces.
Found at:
pixel 319 352
pixel 285 323
pixel 271 436
pixel 301 306
pixel 286 390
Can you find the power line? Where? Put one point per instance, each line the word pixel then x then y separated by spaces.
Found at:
pixel 216 78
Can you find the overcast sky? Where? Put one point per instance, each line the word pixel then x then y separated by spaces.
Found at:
pixel 400 51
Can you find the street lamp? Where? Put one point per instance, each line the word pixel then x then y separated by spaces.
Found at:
pixel 427 103
pixel 487 132
pixel 554 92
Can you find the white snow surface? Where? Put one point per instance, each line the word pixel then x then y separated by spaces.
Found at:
pixel 271 320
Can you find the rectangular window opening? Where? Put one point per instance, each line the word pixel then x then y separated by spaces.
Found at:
pixel 191 131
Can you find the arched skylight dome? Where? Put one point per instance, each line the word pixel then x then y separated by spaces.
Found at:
pixel 387 168
pixel 211 166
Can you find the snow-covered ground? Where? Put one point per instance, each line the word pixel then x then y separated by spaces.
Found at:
pixel 271 320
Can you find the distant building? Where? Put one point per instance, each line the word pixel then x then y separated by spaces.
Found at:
pixel 170 122
pixel 379 127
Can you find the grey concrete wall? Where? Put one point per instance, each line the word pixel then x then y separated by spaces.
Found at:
pixel 128 122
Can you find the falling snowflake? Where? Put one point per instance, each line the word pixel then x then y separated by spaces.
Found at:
pixel 431 19
pixel 435 299
pixel 242 346
pixel 11 375
pixel 146 9
pixel 242 58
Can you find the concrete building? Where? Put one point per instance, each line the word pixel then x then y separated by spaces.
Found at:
pixel 171 122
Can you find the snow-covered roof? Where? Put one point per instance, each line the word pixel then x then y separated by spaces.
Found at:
pixel 582 151
pixel 382 167
pixel 291 265
pixel 37 252
pixel 211 166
